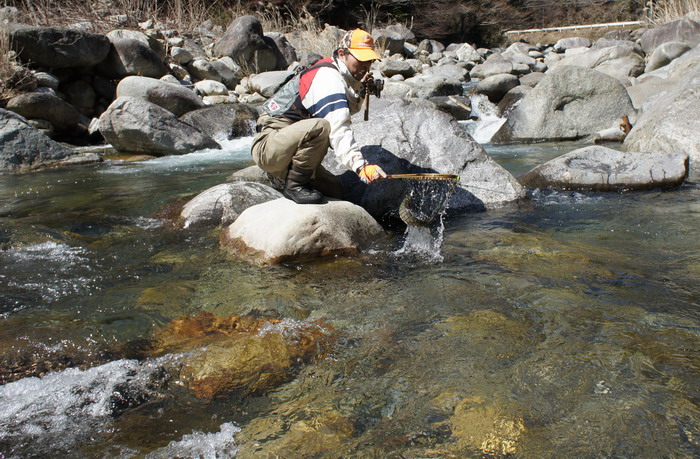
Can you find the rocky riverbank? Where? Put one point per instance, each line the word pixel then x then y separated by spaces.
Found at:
pixel 157 92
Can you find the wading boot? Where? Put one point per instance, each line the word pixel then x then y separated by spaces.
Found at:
pixel 298 187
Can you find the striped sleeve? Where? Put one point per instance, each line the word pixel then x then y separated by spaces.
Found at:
pixel 327 98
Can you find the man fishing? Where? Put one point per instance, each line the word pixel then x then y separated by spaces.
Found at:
pixel 312 112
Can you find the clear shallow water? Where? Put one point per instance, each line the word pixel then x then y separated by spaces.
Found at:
pixel 566 326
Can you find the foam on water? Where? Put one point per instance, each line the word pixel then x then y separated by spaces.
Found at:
pixel 64 269
pixel 202 445
pixel 231 151
pixel 64 408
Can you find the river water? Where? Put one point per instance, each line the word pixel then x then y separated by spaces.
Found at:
pixel 565 326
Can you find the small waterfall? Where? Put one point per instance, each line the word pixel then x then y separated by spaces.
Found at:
pixel 485 121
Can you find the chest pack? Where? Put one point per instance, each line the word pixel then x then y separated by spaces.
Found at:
pixel 287 101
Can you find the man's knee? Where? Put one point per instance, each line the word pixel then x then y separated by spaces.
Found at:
pixel 317 128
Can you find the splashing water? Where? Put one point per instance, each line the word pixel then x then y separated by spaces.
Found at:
pixel 423 242
pixel 487 121
pixel 67 407
pixel 202 445
pixel 422 210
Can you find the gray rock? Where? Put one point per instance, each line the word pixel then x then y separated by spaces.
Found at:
pixel 244 43
pixel 46 80
pixel 151 42
pixel 404 32
pixel 400 137
pixel 606 43
pixel 267 84
pixel 531 79
pixel 569 43
pixel 616 61
pixel 388 40
pixel 180 56
pixel 286 54
pixel 229 71
pixel 202 69
pixel 669 121
pixel 430 46
pixel 512 99
pixel 495 64
pixel 426 86
pixel 466 52
pixel 569 103
pixel 24 148
pixel 496 86
pixel 134 125
pixel 211 88
pixel 132 57
pixel 221 205
pixel 58 47
pixel 34 105
pixel 175 98
pixel 665 53
pixel 683 30
pixel 224 122
pixel 604 169
pixel 391 67
pixel 451 71
pixel 282 231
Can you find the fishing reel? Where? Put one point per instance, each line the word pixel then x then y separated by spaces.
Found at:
pixel 373 87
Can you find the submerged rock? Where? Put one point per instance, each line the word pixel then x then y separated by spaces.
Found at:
pixel 240 354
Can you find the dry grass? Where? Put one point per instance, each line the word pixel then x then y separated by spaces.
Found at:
pixel 663 11
pixel 183 15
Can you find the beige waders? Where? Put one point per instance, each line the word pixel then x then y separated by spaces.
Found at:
pixel 282 143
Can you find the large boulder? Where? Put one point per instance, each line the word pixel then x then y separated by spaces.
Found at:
pixel 496 86
pixel 426 86
pixel 665 53
pixel 604 169
pixel 282 231
pixel 495 64
pixel 224 121
pixel 130 56
pixel 568 103
pixel 618 61
pixel 244 43
pixel 44 106
pixel 148 40
pixel 669 121
pixel 221 205
pixel 683 30
pixel 175 98
pixel 401 137
pixel 134 125
pixel 58 47
pixel 23 147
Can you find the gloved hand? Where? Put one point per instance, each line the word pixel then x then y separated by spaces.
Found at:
pixel 370 173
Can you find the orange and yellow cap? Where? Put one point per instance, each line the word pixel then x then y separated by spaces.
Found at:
pixel 360 44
